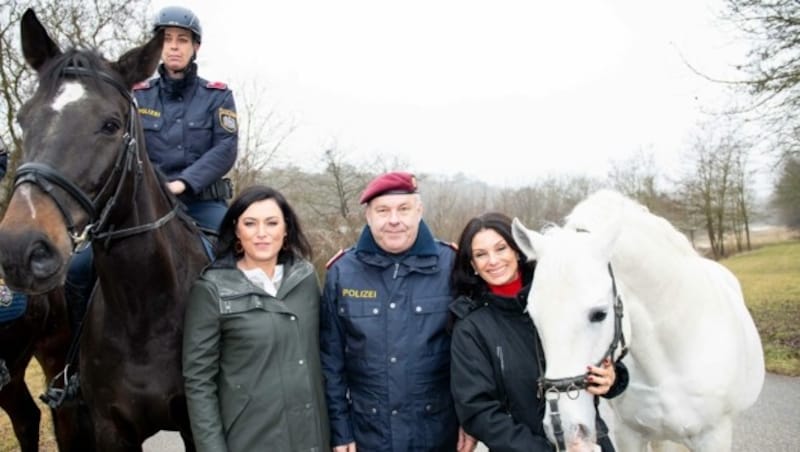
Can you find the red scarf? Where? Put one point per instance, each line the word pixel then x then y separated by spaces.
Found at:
pixel 510 289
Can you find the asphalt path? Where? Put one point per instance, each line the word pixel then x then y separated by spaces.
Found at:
pixel 772 423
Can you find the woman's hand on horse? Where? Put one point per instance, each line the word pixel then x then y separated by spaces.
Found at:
pixel 600 379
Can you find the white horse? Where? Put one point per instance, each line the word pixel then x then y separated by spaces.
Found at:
pixel 695 357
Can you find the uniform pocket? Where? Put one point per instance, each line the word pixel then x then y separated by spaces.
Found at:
pixel 200 132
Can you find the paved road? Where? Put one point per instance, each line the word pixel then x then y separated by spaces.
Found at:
pixel 773 423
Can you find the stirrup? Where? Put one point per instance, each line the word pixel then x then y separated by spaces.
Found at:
pixel 5 375
pixel 56 397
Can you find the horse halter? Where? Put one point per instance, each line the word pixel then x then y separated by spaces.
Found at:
pixel 47 178
pixel 551 388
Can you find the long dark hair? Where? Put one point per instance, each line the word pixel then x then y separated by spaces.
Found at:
pixel 295 243
pixel 463 280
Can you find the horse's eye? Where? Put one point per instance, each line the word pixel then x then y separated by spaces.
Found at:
pixel 597 316
pixel 110 127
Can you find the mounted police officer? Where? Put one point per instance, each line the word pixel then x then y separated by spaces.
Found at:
pixel 189 123
pixel 191 136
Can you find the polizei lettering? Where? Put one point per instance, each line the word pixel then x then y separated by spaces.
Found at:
pixel 359 293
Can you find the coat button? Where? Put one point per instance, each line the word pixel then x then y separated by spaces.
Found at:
pixel 392 305
pixel 301 362
pixel 394 412
pixel 374 410
pixel 375 311
pixel 419 309
pixel 292 318
pixel 393 359
pixel 428 407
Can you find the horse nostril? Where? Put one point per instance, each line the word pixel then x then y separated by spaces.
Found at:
pixel 43 259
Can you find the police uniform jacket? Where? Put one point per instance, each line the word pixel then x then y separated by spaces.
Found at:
pixel 495 373
pixel 251 362
pixel 386 349
pixel 190 127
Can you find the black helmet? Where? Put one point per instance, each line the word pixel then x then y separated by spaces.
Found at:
pixel 177 16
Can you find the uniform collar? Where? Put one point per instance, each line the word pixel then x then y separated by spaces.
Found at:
pixel 174 87
pixel 424 245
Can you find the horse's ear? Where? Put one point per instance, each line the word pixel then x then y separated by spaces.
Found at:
pixel 37 46
pixel 527 240
pixel 140 63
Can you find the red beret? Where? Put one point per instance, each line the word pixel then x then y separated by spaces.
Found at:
pixel 396 182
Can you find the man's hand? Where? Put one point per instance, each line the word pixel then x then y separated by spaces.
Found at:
pixel 346 448
pixel 176 187
pixel 466 443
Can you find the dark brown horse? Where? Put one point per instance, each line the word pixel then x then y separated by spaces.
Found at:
pixel 85 176
pixel 43 331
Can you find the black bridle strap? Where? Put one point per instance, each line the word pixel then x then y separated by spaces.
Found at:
pixel 34 173
pixel 127 232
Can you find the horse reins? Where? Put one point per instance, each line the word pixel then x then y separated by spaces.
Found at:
pixel 46 177
pixel 551 388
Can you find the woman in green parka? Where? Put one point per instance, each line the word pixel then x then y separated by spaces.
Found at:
pixel 251 337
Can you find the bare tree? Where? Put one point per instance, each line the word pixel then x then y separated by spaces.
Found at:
pixel 772 65
pixel 262 136
pixel 107 26
pixel 715 185
pixel 637 177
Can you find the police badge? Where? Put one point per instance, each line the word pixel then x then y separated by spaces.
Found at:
pixel 227 119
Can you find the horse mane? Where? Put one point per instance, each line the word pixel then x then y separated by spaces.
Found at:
pixel 638 225
pixel 53 74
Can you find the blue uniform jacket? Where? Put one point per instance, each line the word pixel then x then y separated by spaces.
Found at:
pixel 385 348
pixel 190 135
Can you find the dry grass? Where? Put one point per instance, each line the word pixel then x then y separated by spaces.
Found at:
pixel 770 279
pixel 47 442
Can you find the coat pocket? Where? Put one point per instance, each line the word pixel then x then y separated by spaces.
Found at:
pixel 233 401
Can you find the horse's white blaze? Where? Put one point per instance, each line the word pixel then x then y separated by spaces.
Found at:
pixel 695 356
pixel 68 93
pixel 25 192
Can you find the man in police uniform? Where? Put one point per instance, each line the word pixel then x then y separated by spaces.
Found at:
pixel 189 123
pixel 385 349
pixel 190 133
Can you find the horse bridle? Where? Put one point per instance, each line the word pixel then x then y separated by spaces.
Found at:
pixel 551 388
pixel 47 178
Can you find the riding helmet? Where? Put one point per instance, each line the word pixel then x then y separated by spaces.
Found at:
pixel 178 16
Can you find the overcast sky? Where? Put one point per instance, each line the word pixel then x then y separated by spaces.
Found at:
pixel 476 86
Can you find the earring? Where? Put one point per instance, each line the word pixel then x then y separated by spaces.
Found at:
pixel 475 272
pixel 237 247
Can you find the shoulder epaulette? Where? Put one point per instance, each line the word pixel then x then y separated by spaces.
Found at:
pixel 450 244
pixel 334 258
pixel 217 85
pixel 142 85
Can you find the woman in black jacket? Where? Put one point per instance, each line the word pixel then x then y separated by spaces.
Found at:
pixel 495 346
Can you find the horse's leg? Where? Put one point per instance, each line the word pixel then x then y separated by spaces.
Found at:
pixel 180 413
pixel 667 446
pixel 717 439
pixel 16 400
pixel 115 435
pixel 627 439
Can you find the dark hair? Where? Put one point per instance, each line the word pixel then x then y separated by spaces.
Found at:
pixel 295 243
pixel 463 279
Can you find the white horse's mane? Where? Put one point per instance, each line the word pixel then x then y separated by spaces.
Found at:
pixel 605 208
